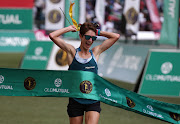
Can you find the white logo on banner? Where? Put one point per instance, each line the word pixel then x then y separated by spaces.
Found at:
pixel 58 82
pixel 1 79
pixel 14 41
pixel 107 91
pixel 38 51
pixel 166 67
pixel 4 87
pixel 37 57
pixel 150 111
pixel 10 19
pixel 150 107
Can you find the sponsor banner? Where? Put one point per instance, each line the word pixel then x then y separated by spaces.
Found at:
pixel 54 17
pixel 169 32
pixel 58 57
pixel 75 15
pixel 122 62
pixel 154 15
pixel 100 11
pixel 131 13
pixel 16 19
pixel 83 84
pixel 82 11
pixel 37 55
pixel 162 75
pixel 15 41
pixel 16 3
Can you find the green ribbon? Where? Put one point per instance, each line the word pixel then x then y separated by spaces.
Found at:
pixel 82 84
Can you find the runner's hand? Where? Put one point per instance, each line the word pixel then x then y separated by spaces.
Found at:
pixel 72 28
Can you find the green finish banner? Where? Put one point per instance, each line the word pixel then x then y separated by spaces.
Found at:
pixel 16 19
pixel 83 84
pixel 37 55
pixel 169 33
pixel 11 41
pixel 162 75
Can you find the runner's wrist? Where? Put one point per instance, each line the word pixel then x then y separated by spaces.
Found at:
pixel 98 32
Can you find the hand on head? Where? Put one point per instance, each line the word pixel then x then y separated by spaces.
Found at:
pixel 72 28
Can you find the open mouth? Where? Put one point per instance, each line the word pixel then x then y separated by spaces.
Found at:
pixel 88 43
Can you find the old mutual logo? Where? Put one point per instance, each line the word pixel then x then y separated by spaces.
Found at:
pixel 10 19
pixel 38 55
pixel 58 82
pixel 1 79
pixel 38 51
pixel 107 91
pixel 150 110
pixel 166 67
pixel 4 87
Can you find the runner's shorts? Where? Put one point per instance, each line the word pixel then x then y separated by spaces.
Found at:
pixel 75 108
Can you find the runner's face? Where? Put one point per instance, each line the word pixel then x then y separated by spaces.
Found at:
pixel 88 39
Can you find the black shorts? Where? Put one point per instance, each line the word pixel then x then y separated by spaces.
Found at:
pixel 75 108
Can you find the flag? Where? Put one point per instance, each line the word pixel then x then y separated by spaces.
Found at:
pixel 131 12
pixel 169 32
pixel 54 17
pixel 100 11
pixel 154 15
pixel 82 11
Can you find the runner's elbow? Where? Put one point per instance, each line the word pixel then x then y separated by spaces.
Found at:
pixel 117 36
pixel 51 36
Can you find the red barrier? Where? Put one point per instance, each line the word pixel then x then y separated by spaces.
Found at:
pixel 16 3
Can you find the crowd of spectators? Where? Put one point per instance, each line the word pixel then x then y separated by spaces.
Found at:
pixel 144 17
pixel 114 18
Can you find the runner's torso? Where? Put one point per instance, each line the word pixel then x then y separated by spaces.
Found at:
pixel 89 64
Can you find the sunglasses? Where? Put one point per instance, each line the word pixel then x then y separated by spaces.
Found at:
pixel 87 37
